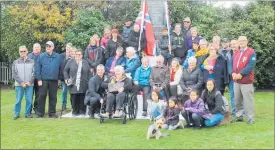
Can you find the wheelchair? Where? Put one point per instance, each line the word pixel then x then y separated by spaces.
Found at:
pixel 129 107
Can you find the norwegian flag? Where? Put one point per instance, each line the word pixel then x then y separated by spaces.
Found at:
pixel 144 21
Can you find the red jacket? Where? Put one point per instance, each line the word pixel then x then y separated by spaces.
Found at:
pixel 104 41
pixel 244 63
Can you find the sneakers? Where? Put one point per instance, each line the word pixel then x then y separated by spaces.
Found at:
pixel 250 121
pixel 64 108
pixel 239 119
pixel 106 115
pixel 15 117
pixel 144 114
pixel 53 116
pixel 181 126
pixel 37 116
pixel 28 116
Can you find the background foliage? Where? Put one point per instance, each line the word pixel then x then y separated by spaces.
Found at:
pixel 71 21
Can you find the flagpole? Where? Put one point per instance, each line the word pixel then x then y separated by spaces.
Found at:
pixel 142 24
pixel 167 22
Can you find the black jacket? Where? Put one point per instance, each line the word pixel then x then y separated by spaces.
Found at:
pixel 178 45
pixel 191 79
pixel 98 58
pixel 127 83
pixel 70 72
pixel 110 49
pixel 163 46
pixel 63 64
pixel 95 91
pixel 214 104
pixel 171 118
pixel 133 40
pixel 219 71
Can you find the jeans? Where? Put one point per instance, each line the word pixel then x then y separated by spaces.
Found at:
pixel 214 120
pixel 64 94
pixel 19 96
pixel 231 92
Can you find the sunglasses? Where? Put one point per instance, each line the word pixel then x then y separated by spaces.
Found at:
pixel 186 22
pixel 48 46
pixel 22 51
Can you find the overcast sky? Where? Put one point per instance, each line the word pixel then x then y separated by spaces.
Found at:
pixel 228 4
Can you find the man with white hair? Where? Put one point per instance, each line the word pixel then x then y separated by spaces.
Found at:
pixel 244 62
pixel 36 50
pixel 48 73
pixel 160 76
pixel 132 61
pixel 23 74
pixel 94 95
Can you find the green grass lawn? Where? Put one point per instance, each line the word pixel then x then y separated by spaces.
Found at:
pixel 76 133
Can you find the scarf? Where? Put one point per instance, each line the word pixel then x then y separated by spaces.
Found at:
pixel 78 75
pixel 202 52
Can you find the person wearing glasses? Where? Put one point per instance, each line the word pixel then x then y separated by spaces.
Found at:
pixel 23 74
pixel 187 24
pixel 48 73
pixel 77 75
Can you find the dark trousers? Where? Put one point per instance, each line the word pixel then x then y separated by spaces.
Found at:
pixel 51 86
pixel 173 90
pixel 193 118
pixel 113 99
pixel 78 103
pixel 183 99
pixel 94 105
pixel 36 95
pixel 145 96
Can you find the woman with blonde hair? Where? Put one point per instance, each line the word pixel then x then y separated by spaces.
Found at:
pixel 175 76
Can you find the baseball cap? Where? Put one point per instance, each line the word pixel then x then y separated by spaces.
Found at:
pixel 50 43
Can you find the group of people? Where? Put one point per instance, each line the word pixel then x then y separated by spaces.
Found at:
pixel 190 76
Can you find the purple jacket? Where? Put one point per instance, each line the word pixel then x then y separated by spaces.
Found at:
pixel 190 41
pixel 196 107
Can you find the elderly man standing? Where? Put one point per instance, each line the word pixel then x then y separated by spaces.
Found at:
pixel 133 39
pixel 36 50
pixel 23 74
pixel 160 76
pixel 48 74
pixel 244 62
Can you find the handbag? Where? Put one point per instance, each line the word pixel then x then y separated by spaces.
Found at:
pixel 113 87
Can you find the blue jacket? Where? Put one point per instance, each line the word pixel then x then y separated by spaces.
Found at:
pixel 190 53
pixel 132 65
pixel 32 56
pixel 48 67
pixel 142 75
pixel 121 61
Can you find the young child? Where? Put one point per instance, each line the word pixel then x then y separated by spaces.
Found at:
pixel 157 106
pixel 193 111
pixel 171 115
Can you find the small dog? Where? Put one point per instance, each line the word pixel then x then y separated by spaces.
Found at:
pixel 154 129
pixel 227 118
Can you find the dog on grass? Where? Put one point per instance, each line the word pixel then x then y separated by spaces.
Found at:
pixel 154 129
pixel 227 118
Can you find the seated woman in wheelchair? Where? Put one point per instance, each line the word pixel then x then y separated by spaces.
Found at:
pixel 94 95
pixel 118 85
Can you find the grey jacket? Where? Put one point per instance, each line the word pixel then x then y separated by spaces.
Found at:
pixel 23 71
pixel 70 72
pixel 160 75
pixel 193 79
